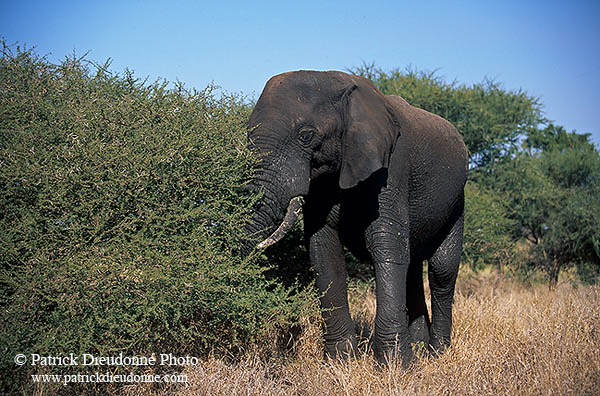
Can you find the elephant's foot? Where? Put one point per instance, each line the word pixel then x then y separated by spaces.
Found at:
pixel 438 345
pixel 393 350
pixel 341 349
pixel 419 334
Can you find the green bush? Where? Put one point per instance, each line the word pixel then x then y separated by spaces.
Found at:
pixel 487 235
pixel 120 216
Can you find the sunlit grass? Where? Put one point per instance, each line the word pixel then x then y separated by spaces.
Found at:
pixel 507 339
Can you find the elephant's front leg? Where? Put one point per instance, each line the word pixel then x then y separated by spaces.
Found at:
pixel 327 258
pixel 389 247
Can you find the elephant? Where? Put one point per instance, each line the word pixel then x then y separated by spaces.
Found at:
pixel 376 175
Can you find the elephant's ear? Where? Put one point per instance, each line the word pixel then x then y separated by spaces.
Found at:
pixel 370 135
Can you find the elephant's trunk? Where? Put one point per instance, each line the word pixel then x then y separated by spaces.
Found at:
pixel 283 181
pixel 288 222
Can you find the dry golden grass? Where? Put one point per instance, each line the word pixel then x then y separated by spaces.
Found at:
pixel 507 340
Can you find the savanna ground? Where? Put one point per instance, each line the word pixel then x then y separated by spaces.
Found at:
pixel 508 339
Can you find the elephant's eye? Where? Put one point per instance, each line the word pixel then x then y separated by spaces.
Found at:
pixel 305 136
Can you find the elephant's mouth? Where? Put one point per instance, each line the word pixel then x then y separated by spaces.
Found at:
pixel 288 222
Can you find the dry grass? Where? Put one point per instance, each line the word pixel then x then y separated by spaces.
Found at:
pixel 507 340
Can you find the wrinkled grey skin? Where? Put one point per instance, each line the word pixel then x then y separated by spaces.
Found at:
pixel 379 176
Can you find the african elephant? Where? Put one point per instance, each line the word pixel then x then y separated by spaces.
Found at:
pixel 377 175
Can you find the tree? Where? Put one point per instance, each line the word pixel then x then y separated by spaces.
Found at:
pixel 487 236
pixel 553 190
pixel 120 213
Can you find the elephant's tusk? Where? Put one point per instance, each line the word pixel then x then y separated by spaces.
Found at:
pixel 290 218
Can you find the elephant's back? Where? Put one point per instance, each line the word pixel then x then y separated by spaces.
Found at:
pixel 437 160
pixel 434 146
pixel 427 129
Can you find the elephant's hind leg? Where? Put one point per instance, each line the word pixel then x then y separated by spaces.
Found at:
pixel 418 317
pixel 443 270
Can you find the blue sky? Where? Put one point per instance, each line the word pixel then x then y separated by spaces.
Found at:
pixel 551 49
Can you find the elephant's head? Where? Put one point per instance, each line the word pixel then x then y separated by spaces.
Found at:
pixel 308 124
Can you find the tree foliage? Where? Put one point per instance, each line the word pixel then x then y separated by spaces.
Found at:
pixel 120 215
pixel 487 235
pixel 553 189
